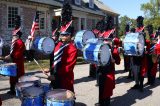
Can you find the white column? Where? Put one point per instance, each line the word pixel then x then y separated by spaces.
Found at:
pixel 79 23
pixel 85 23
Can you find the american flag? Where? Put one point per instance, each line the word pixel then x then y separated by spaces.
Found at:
pixel 35 25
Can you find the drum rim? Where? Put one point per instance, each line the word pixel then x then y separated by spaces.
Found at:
pixel 62 101
pixel 42 45
pixel 83 36
pixel 52 99
pixel 29 76
pixel 100 54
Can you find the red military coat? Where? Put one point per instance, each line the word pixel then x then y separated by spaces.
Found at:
pixel 65 72
pixel 140 29
pixel 18 57
pixel 109 78
pixel 144 66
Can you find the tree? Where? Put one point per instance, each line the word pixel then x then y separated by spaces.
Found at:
pixel 152 13
pixel 151 9
pixel 123 21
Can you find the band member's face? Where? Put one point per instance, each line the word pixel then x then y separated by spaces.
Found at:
pixel 65 38
pixel 153 41
pixel 14 38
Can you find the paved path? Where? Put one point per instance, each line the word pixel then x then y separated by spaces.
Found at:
pixel 87 92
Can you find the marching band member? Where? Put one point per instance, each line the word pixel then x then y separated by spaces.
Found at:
pixel 138 68
pixel 158 34
pixel 65 55
pixel 106 73
pixel 97 30
pixel 149 56
pixel 16 55
pixel 127 58
pixel 153 62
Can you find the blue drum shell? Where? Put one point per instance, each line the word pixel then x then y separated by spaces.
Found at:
pixel 90 53
pixel 35 43
pixel 10 70
pixel 32 96
pixel 35 101
pixel 59 103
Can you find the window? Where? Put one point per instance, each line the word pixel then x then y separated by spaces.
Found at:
pixel 78 2
pixel 42 19
pixel 42 23
pixel 12 13
pixel 91 3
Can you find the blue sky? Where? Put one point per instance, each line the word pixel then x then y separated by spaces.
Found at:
pixel 131 8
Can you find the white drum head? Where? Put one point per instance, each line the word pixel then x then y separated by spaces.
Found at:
pixel 141 44
pixel 48 45
pixel 22 85
pixel 87 35
pixel 28 79
pixel 104 54
pixel 60 94
pixel 32 92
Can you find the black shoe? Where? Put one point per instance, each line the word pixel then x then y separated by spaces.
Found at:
pixel 11 93
pixel 148 83
pixel 152 83
pixel 135 87
pixel 129 77
pixel 141 89
pixel 97 104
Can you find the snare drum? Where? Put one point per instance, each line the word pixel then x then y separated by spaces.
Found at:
pixel 20 86
pixel 2 62
pixel 46 87
pixel 31 79
pixel 32 96
pixel 133 44
pixel 60 97
pixel 81 37
pixel 8 69
pixel 96 53
pixel 45 44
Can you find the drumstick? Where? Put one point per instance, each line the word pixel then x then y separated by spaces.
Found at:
pixel 40 67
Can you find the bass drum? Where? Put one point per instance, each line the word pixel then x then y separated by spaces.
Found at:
pixel 8 69
pixel 97 53
pixel 81 38
pixel 134 44
pixel 45 44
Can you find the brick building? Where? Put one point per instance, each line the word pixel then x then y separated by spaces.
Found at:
pixel 86 13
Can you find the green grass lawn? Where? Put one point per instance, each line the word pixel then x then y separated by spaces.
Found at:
pixel 33 66
pixel 45 64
